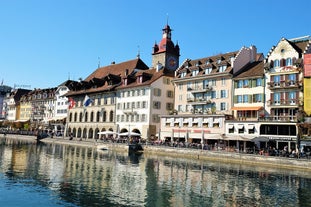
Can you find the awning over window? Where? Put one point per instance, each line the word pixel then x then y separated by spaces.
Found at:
pixel 230 126
pixel 247 108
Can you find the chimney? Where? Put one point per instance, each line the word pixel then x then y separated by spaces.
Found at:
pixel 126 72
pixel 253 53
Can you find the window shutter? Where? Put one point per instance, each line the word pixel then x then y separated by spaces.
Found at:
pixel 235 84
pixel 227 93
pixel 250 99
pixel 235 99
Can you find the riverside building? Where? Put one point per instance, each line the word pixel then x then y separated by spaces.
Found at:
pixel 126 97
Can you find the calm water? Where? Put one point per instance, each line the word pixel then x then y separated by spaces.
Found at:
pixel 54 175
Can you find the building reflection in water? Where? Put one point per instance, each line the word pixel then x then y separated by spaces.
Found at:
pixel 86 177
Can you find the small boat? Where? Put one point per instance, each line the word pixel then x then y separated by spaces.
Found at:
pixel 102 147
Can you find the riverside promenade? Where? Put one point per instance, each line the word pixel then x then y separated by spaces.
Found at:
pixel 302 164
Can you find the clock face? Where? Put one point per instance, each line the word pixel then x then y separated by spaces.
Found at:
pixel 172 62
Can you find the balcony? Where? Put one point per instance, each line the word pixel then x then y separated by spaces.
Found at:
pixel 284 84
pixel 199 101
pixel 200 89
pixel 278 118
pixel 283 103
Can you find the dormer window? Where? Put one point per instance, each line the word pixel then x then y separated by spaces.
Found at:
pixel 218 61
pixel 183 74
pixel 208 70
pixel 197 64
pixel 222 68
pixel 195 72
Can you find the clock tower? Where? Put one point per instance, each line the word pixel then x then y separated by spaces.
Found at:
pixel 166 52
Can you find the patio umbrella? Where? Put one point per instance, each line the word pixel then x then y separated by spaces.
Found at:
pixel 106 132
pixel 129 134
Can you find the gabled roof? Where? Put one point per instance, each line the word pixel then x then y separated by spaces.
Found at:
pixel 207 62
pixel 300 44
pixel 150 75
pixel 118 69
pixel 254 69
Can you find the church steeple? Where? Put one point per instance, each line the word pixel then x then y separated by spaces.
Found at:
pixel 166 52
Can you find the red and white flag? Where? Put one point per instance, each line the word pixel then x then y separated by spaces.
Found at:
pixel 72 103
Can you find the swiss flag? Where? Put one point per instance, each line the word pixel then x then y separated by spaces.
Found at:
pixel 71 103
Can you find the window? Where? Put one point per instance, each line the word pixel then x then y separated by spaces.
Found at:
pixel 169 106
pixel 288 62
pixel 276 63
pixel 143 117
pixel 239 98
pixel 240 84
pixel 144 105
pixel 276 80
pixel 180 86
pixel 245 83
pixel 213 94
pixel 277 98
pixel 257 97
pixel 223 106
pixel 205 83
pixel 183 74
pixel 208 70
pixel 189 85
pixel 241 129
pixel 195 72
pixel 155 118
pixel 213 82
pixel 170 94
pixel 157 105
pixel 222 68
pixel 245 98
pixel 223 81
pixel 292 97
pixel 251 130
pixel 223 94
pixel 258 82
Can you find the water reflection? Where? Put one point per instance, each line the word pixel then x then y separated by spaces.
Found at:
pixel 82 176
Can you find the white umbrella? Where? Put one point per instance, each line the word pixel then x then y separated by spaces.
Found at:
pixel 129 134
pixel 107 132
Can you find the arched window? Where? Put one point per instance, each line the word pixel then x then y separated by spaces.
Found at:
pixel 85 117
pixel 111 116
pixel 75 117
pixel 104 116
pixel 97 116
pixel 80 117
pixel 70 117
pixel 92 117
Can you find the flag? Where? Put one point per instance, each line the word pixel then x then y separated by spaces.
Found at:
pixel 72 103
pixel 87 101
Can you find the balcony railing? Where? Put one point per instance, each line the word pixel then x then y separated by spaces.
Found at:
pixel 199 89
pixel 284 84
pixel 279 118
pixel 199 101
pixel 283 102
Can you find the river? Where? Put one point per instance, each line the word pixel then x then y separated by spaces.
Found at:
pixel 47 174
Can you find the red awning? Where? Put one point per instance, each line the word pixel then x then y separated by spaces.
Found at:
pixel 247 108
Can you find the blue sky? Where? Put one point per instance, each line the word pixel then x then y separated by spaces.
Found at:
pixel 45 42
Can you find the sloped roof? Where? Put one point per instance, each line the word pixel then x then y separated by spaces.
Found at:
pixel 207 62
pixel 118 69
pixel 254 69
